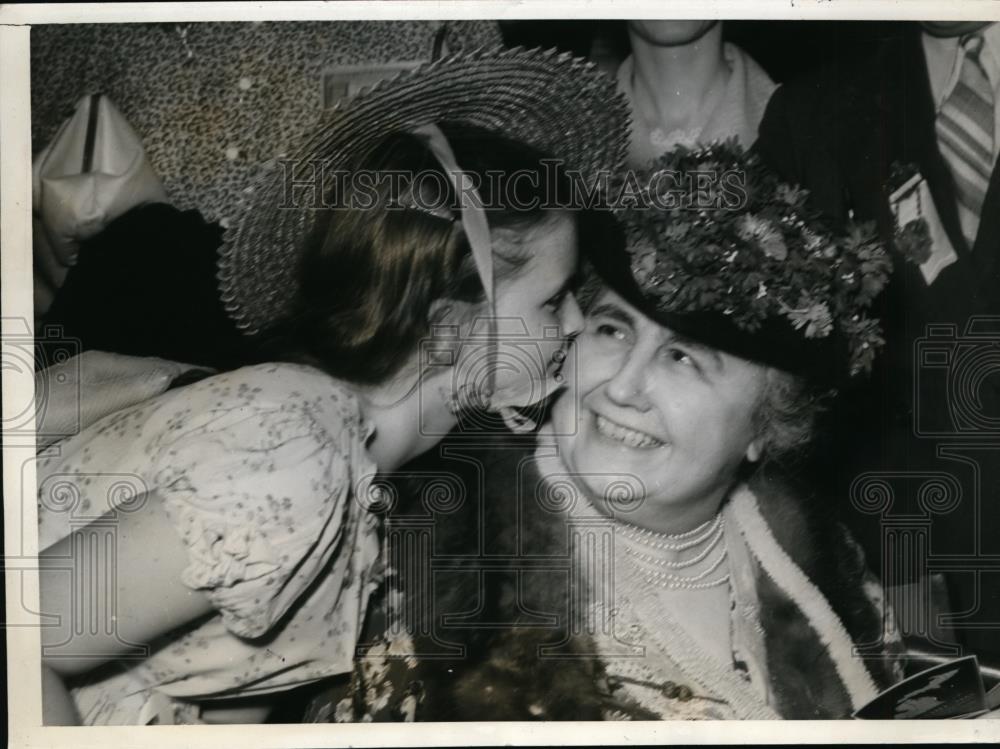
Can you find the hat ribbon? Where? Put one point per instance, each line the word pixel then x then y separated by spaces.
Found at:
pixel 474 224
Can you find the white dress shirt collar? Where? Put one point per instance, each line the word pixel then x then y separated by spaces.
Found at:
pixel 944 65
pixel 944 60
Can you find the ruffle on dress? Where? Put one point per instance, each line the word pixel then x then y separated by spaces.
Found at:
pixel 259 486
pixel 223 555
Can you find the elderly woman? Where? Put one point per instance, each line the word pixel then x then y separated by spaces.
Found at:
pixel 657 565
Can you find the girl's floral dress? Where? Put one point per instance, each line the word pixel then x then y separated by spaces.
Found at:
pixel 263 473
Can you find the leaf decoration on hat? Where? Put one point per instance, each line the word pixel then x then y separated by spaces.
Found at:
pixel 732 238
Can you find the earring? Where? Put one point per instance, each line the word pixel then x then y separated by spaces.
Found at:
pixel 451 400
pixel 465 398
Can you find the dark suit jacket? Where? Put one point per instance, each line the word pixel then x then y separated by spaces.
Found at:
pixel 838 132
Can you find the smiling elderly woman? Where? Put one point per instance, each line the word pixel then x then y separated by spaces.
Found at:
pixel 657 566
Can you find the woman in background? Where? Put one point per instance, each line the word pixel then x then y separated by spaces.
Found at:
pixel 686 86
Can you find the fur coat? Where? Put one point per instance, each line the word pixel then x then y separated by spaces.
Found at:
pixel 478 645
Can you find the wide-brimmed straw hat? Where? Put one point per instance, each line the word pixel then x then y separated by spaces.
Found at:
pixel 556 103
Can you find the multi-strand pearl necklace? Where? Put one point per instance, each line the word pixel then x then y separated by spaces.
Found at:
pixel 645 552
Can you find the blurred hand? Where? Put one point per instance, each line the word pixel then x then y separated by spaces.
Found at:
pixel 74 394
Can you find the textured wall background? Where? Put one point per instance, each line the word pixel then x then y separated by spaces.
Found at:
pixel 213 101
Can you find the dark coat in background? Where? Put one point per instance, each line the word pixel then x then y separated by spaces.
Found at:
pixel 146 286
pixel 839 133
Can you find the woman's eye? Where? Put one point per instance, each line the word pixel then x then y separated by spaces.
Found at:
pixel 680 356
pixel 610 330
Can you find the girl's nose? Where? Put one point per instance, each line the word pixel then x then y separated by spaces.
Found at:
pixel 572 317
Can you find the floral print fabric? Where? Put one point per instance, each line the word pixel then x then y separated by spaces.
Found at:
pixel 385 684
pixel 257 469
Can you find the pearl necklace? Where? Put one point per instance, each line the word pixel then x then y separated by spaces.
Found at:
pixel 643 551
pixel 658 561
pixel 670 541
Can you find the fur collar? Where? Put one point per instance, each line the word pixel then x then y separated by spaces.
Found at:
pixel 501 677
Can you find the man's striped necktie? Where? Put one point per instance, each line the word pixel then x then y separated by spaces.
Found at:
pixel 965 130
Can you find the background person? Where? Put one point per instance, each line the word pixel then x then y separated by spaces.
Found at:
pixel 686 86
pixel 921 109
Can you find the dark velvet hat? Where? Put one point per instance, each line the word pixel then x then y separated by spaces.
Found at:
pixel 718 249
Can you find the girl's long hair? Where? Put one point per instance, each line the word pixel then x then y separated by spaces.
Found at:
pixel 369 275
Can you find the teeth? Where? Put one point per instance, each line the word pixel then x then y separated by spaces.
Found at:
pixel 629 437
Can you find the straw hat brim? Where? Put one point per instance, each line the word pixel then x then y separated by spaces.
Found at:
pixel 559 104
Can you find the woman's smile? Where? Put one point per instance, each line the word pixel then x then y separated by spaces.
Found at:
pixel 617 432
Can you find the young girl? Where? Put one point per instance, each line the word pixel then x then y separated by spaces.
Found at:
pixel 215 545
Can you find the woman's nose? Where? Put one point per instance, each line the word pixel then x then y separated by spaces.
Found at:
pixel 627 387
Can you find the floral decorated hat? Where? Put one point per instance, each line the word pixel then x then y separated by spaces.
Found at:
pixel 719 249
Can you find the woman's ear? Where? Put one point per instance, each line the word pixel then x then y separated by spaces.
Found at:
pixel 754 451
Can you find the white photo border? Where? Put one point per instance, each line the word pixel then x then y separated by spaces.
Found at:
pixel 24 706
